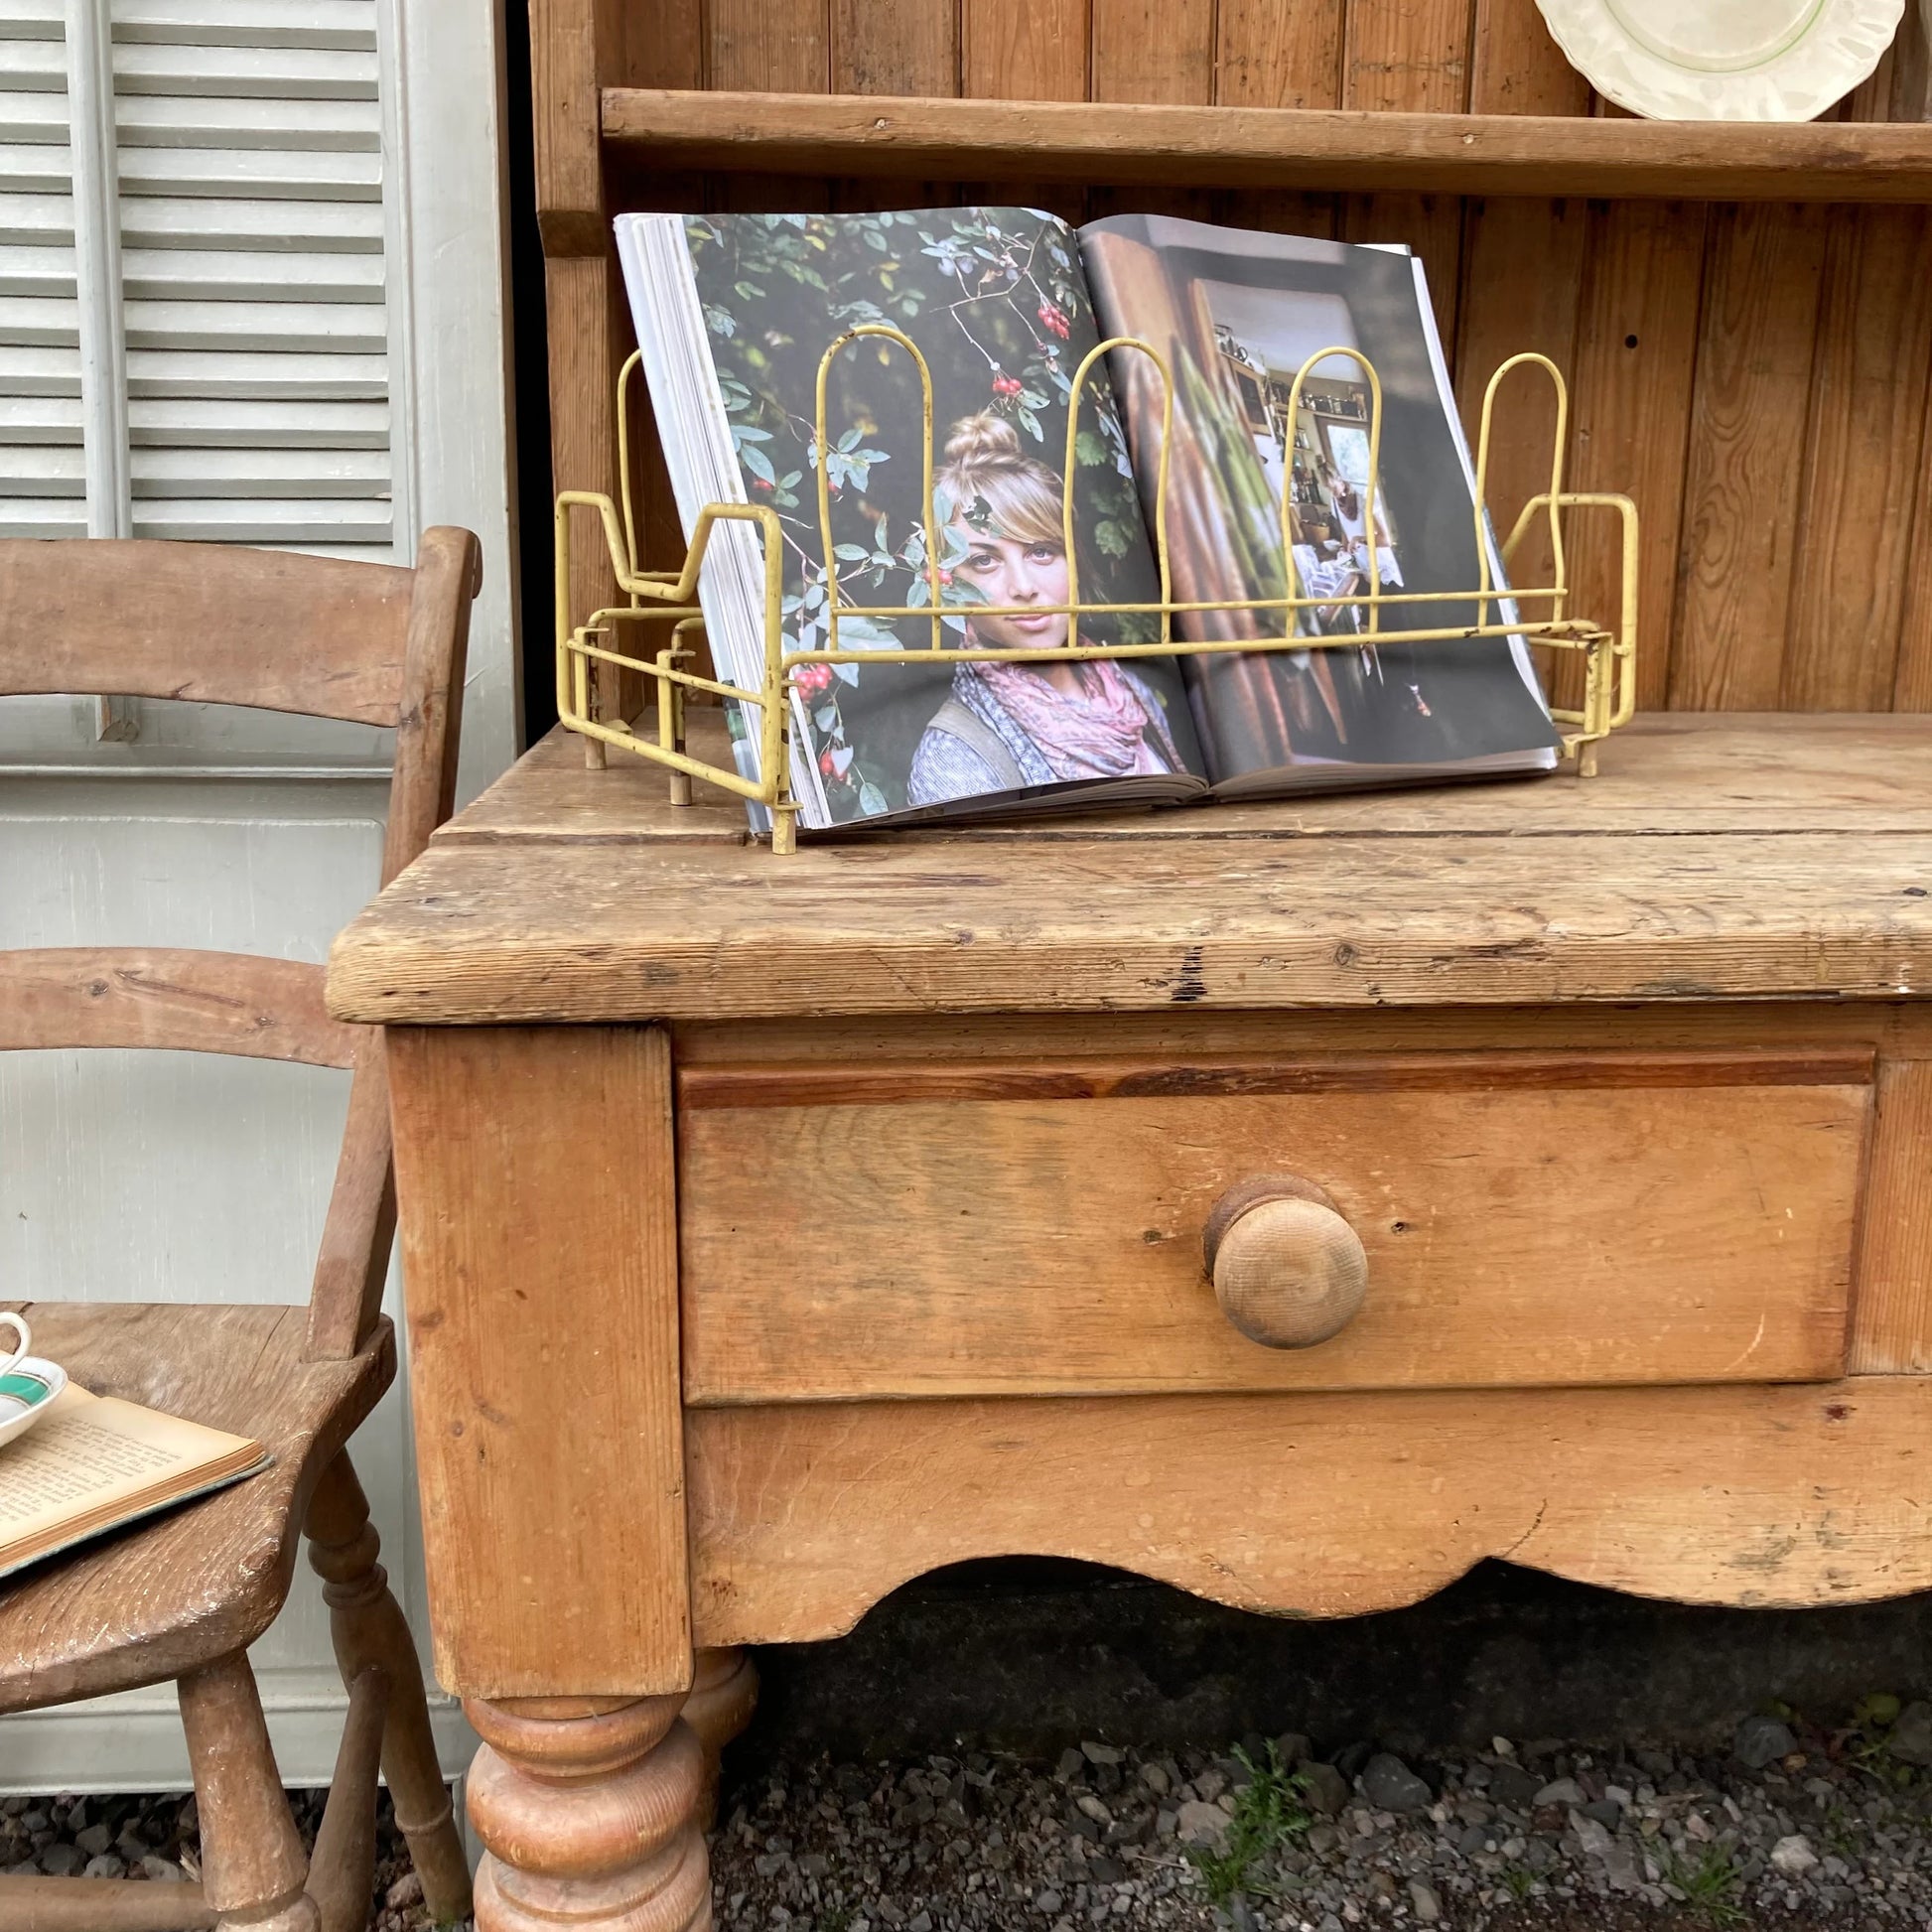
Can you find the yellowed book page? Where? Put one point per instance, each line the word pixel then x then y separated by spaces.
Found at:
pixel 94 1451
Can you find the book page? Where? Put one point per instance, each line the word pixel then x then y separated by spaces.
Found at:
pixel 994 302
pixel 1239 317
pixel 93 1452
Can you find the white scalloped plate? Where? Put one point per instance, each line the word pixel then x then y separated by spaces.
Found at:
pixel 1723 60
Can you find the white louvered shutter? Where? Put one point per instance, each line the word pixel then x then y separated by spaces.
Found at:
pixel 43 483
pixel 252 270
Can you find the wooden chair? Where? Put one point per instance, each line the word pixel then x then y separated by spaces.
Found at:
pixel 182 1596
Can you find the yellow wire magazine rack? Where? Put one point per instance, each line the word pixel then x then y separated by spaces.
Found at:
pixel 668 599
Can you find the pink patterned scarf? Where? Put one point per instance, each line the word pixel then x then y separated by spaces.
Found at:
pixel 1102 732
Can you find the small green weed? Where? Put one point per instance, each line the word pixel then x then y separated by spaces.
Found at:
pixel 1518 1881
pixel 1268 1809
pixel 1708 1887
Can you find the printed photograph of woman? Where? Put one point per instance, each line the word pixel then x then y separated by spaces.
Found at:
pixel 1006 726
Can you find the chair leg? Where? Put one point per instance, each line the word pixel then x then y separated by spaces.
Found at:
pixel 252 1868
pixel 370 1632
pixel 342 1873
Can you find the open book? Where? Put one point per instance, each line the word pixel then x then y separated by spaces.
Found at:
pixel 95 1462
pixel 733 314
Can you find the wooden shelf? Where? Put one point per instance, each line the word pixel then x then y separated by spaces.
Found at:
pixel 1260 147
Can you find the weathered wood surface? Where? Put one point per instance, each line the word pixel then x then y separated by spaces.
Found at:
pixel 1794 861
pixel 181 1000
pixel 539 1239
pixel 206 621
pixel 1359 148
pixel 1317 1505
pixel 1607 1219
pixel 204 1581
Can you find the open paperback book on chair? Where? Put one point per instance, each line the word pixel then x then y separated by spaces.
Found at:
pixel 734 313
pixel 97 1463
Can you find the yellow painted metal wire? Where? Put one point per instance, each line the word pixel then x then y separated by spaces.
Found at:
pixel 1610 657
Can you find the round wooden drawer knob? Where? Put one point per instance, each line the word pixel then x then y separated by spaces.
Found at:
pixel 1287 1269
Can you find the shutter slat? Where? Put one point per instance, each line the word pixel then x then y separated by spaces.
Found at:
pixel 32 321
pixel 341 24
pixel 265 227
pixel 29 420
pixel 317 175
pixel 154 120
pixel 330 327
pixel 241 73
pixel 311 376
pixel 192 423
pixel 251 472
pixel 26 371
pixel 246 275
pixel 219 520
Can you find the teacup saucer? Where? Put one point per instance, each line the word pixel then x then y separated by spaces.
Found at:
pixel 27 1392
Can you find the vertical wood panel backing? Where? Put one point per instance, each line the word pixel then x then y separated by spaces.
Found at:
pixel 1630 387
pixel 768 45
pixel 1862 461
pixel 537 1183
pixel 1024 50
pixel 661 44
pixel 1755 355
pixel 1279 52
pixel 583 360
pixel 1515 67
pixel 1522 276
pixel 1522 284
pixel 1891 1318
pixel 1413 54
pixel 895 47
pixel 1912 684
pixel 1154 50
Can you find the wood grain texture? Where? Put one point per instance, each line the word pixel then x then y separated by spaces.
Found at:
pixel 187 1000
pixel 1517 69
pixel 1515 1236
pixel 1633 380
pixel 1407 55
pixel 1023 51
pixel 1893 1331
pixel 539 1241
pixel 1059 137
pixel 1522 284
pixel 204 1582
pixel 894 47
pixel 208 623
pixel 1153 50
pixel 1317 1505
pixel 1793 868
pixel 570 56
pixel 1912 683
pixel 1669 772
pixel 1279 52
pixel 1862 461
pixel 1755 354
pixel 778 47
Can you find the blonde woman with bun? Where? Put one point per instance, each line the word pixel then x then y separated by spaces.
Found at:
pixel 1008 725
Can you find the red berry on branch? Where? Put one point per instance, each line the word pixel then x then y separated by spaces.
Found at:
pixel 827 765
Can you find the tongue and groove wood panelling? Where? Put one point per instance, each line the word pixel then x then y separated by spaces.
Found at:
pixel 1754 375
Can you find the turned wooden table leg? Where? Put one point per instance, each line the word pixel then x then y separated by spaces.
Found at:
pixel 588 1810
pixel 252 1867
pixel 724 1693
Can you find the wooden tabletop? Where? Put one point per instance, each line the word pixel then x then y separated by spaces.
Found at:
pixel 1714 856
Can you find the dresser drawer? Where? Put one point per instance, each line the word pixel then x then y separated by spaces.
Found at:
pixel 1523 1219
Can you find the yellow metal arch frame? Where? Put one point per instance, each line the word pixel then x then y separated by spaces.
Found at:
pixel 669 598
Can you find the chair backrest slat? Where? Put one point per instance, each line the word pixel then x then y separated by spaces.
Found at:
pixel 282 632
pixel 208 621
pixel 193 1002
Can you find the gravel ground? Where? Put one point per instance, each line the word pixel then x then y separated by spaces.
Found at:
pixel 1793 1828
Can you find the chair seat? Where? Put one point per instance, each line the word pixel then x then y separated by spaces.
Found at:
pixel 203 1580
